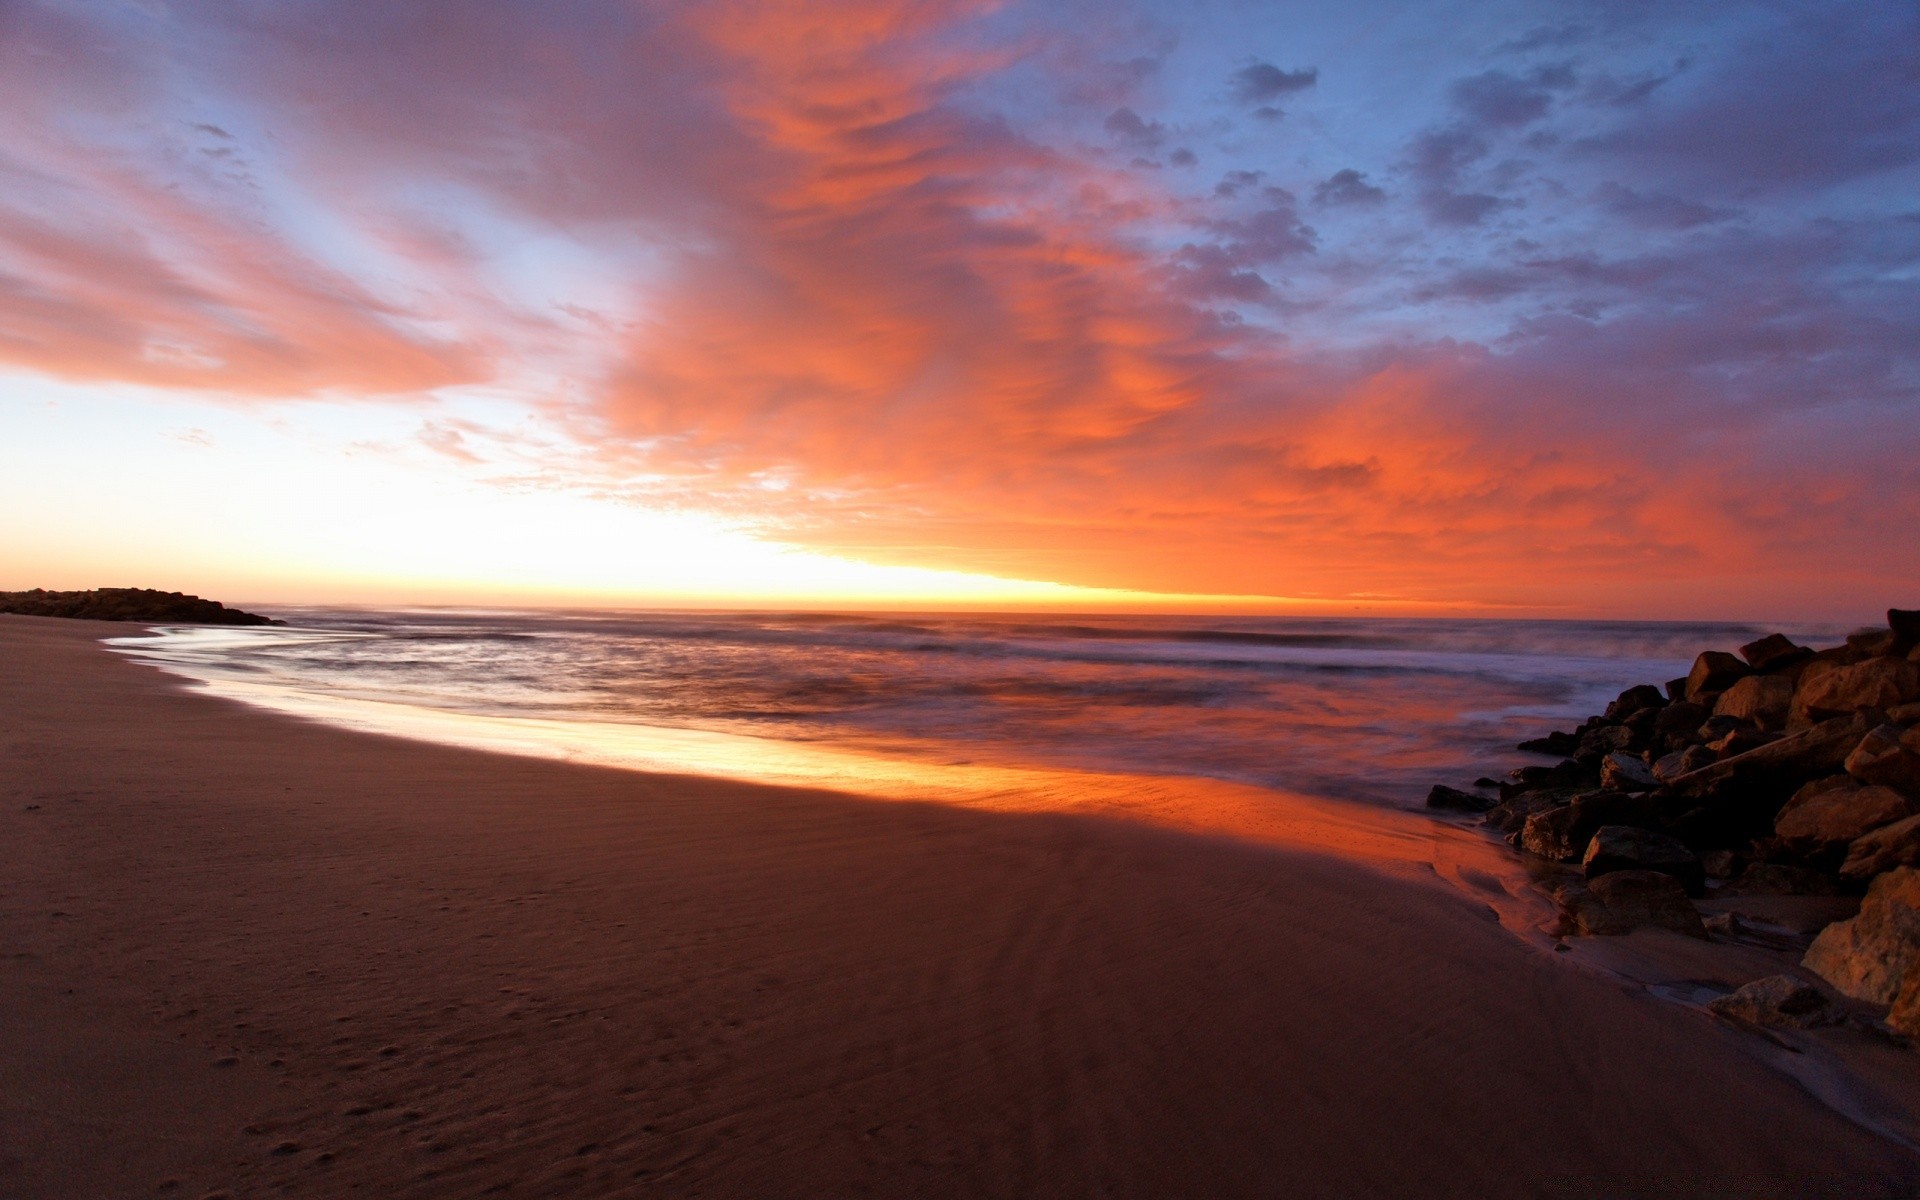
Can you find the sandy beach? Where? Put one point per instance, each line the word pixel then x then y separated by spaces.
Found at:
pixel 247 955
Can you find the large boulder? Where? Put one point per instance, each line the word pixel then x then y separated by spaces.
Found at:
pixel 1867 957
pixel 1561 834
pixel 1779 879
pixel 1782 765
pixel 1877 683
pixel 1905 623
pixel 1828 815
pixel 1888 755
pixel 1626 900
pixel 1627 848
pixel 1779 1000
pixel 1682 718
pixel 1635 699
pixel 1763 699
pixel 1602 740
pixel 1714 671
pixel 1623 772
pixel 1669 767
pixel 1559 743
pixel 1773 650
pixel 1890 846
pixel 1443 796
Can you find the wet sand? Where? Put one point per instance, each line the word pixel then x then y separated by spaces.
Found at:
pixel 251 954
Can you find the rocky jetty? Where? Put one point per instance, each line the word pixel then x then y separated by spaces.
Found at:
pixel 127 604
pixel 1781 771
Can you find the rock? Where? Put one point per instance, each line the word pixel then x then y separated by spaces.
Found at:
pixel 1549 834
pixel 1720 864
pixel 1779 1000
pixel 1868 957
pixel 1677 689
pixel 1714 671
pixel 1510 815
pixel 1558 744
pixel 1904 1016
pixel 127 604
pixel 1714 728
pixel 1682 717
pixel 1905 623
pixel 1561 834
pixel 1890 756
pixel 1828 815
pixel 1779 879
pixel 1671 766
pixel 1726 924
pixel 1453 798
pixel 1622 772
pixel 1763 699
pixel 1626 900
pixel 1904 715
pixel 1773 650
pixel 1874 642
pixel 1563 774
pixel 1890 846
pixel 1737 741
pixel 1879 683
pixel 1780 766
pixel 1597 743
pixel 1633 700
pixel 1626 848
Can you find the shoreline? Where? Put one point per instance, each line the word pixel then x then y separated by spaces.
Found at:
pixel 581 980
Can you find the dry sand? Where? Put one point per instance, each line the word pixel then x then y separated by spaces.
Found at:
pixel 248 954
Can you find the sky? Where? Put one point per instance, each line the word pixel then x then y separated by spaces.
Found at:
pixel 1548 308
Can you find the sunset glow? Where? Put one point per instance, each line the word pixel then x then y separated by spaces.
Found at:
pixel 1563 310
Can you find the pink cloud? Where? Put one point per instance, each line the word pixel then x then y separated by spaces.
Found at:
pixel 959 344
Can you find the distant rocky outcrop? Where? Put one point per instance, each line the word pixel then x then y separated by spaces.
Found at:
pixel 1780 770
pixel 127 604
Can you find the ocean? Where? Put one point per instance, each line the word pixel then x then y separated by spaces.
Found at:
pixel 1372 710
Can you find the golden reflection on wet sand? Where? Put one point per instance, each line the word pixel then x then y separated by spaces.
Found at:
pixel 1406 845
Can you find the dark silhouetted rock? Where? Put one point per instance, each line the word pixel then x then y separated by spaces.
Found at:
pixel 1714 671
pixel 1626 900
pixel 1628 848
pixel 1561 834
pixel 1763 699
pixel 1558 744
pixel 127 604
pixel 1777 1000
pixel 1622 772
pixel 1633 700
pixel 1453 798
pixel 1669 767
pixel 1779 879
pixel 1773 650
pixel 1826 816
pixel 1890 756
pixel 1720 864
pixel 1890 846
pixel 1601 741
pixel 1905 623
pixel 1563 774
pixel 1677 688
pixel 1868 956
pixel 1683 717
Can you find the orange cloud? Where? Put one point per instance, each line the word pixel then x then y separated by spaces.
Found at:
pixel 869 310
